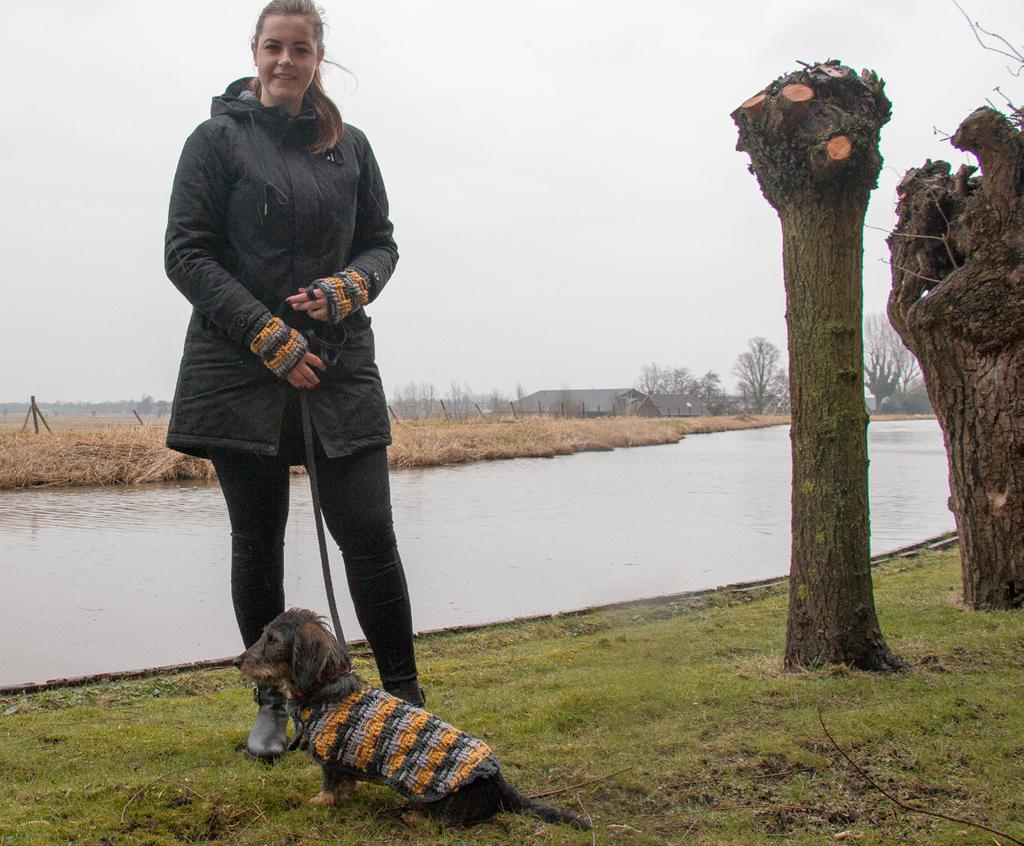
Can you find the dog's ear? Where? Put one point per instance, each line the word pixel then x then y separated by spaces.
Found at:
pixel 316 657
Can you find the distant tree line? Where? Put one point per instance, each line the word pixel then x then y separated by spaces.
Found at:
pixel 891 374
pixel 761 386
pixel 146 405
pixel 422 401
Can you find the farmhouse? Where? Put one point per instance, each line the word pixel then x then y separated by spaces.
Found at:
pixel 677 405
pixel 607 402
pixel 596 402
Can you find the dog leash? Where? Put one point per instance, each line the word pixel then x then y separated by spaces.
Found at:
pixel 307 436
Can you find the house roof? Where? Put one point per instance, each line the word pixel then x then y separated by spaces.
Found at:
pixel 668 403
pixel 593 398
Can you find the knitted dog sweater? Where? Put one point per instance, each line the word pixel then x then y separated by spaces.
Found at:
pixel 374 735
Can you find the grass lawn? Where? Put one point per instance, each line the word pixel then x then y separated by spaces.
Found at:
pixel 720 745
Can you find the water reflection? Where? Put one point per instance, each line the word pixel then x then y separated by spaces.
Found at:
pixel 133 577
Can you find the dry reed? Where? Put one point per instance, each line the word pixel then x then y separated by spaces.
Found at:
pixel 432 442
pixel 120 456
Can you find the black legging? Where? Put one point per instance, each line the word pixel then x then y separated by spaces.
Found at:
pixel 356 501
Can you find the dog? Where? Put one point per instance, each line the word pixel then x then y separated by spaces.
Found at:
pixel 361 733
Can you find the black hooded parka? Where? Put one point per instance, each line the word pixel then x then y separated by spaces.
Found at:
pixel 254 216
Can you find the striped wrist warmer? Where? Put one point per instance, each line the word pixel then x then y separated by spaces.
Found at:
pixel 345 293
pixel 280 346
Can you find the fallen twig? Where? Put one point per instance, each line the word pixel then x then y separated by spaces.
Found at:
pixel 580 784
pixel 689 828
pixel 259 816
pixel 151 782
pixel 912 808
pixel 590 819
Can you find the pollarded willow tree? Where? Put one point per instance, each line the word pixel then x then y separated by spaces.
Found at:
pixel 957 301
pixel 813 137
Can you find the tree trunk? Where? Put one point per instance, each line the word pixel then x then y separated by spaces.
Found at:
pixel 957 301
pixel 813 144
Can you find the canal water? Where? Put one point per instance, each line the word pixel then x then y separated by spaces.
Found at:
pixel 103 579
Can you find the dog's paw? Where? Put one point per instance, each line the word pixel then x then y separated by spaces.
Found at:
pixel 413 816
pixel 325 798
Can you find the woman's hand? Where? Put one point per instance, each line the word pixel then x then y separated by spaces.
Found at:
pixel 315 308
pixel 303 375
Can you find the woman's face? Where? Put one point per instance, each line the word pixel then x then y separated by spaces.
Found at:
pixel 286 57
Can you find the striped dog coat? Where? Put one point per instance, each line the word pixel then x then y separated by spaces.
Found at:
pixel 373 735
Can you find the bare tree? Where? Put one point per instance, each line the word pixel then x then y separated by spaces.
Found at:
pixel 497 403
pixel 457 400
pixel 761 378
pixel 709 390
pixel 668 380
pixel 414 401
pixel 813 138
pixel 889 367
pixel 780 392
pixel 650 379
pixel 678 380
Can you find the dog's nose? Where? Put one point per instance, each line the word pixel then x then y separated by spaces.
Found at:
pixel 238 661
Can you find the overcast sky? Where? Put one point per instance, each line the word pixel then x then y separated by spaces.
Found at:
pixel 567 199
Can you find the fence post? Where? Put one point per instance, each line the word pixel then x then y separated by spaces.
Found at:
pixel 394 416
pixel 478 411
pixel 444 411
pixel 42 417
pixel 136 413
pixel 513 408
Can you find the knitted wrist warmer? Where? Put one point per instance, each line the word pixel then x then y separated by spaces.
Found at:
pixel 345 293
pixel 280 346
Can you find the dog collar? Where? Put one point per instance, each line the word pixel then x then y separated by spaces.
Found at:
pixel 298 693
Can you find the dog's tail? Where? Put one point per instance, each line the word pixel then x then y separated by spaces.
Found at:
pixel 512 800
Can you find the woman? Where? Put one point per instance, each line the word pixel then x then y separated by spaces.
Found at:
pixel 278 234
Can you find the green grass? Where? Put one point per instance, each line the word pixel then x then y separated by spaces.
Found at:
pixel 721 746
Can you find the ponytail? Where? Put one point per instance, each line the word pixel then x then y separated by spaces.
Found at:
pixel 328 118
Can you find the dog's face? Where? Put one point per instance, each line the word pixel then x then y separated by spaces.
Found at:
pixel 295 652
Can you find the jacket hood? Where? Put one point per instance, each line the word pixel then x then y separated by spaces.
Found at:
pixel 239 101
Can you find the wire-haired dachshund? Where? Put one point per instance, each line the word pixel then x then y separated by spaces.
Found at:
pixel 360 733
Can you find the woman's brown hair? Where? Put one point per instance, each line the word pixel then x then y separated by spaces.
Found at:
pixel 328 118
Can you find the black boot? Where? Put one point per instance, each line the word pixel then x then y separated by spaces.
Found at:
pixel 410 691
pixel 268 735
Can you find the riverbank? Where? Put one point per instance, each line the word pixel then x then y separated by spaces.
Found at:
pixel 135 455
pixel 684 704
